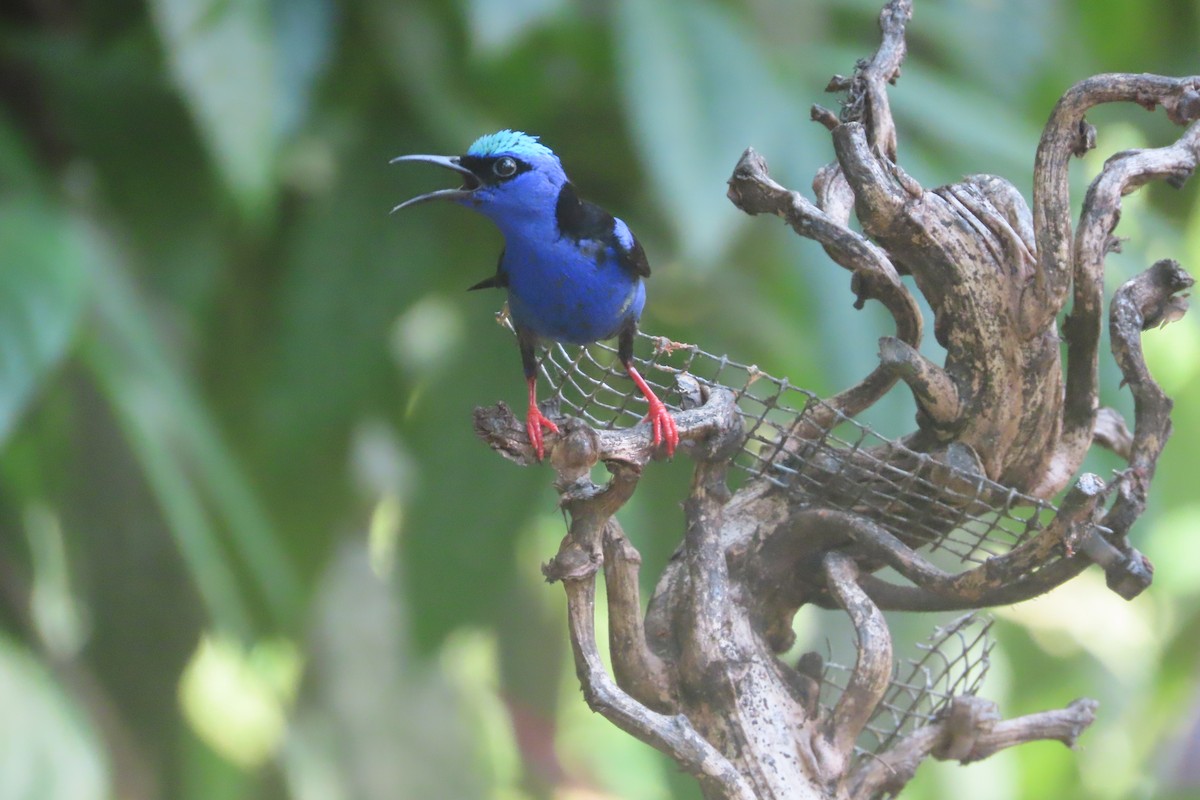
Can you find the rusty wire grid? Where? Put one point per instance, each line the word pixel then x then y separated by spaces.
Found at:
pixel 923 501
pixel 953 663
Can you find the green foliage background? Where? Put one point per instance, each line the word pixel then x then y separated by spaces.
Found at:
pixel 249 547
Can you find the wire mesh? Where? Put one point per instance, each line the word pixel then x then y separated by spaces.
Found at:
pixel 798 442
pixel 953 663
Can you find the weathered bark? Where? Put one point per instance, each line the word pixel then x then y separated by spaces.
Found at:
pixel 1001 423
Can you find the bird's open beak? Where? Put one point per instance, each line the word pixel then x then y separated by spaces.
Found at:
pixel 470 182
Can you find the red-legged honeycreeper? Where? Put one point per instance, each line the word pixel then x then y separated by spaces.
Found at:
pixel 573 271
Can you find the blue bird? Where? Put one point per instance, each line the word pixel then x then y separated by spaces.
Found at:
pixel 573 271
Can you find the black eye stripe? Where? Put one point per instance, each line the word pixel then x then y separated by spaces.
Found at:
pixel 485 167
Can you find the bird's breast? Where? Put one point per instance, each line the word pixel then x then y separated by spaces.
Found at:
pixel 571 291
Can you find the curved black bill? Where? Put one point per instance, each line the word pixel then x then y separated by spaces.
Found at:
pixel 470 182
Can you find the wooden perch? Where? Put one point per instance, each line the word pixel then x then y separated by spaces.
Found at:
pixel 1001 423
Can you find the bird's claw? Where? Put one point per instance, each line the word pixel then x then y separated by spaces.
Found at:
pixel 535 420
pixel 663 425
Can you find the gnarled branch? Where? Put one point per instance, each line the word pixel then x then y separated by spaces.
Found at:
pixel 873 670
pixel 999 425
pixel 1068 134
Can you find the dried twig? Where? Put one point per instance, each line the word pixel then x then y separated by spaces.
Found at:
pixel 970 732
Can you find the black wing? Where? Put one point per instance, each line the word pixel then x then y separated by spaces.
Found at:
pixel 578 220
pixel 497 281
pixel 633 258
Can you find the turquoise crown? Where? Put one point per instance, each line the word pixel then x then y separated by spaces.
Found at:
pixel 508 142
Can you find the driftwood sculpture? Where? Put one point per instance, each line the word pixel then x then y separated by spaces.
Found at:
pixel 961 509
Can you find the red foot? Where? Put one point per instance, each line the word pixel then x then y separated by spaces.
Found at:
pixel 664 425
pixel 661 421
pixel 535 420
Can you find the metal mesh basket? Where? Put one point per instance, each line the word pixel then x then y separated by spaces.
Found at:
pixel 801 444
pixel 953 663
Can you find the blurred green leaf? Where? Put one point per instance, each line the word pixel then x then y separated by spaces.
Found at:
pixel 146 424
pixel 187 463
pixel 222 54
pixel 697 93
pixel 1021 34
pixel 160 188
pixel 48 750
pixel 962 131
pixel 417 53
pixel 494 25
pixel 43 285
pixel 304 32
pixel 54 610
pixel 390 725
pixel 19 170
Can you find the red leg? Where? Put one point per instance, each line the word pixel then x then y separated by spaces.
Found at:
pixel 661 421
pixel 535 420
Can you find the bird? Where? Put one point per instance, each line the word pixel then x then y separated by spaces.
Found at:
pixel 573 272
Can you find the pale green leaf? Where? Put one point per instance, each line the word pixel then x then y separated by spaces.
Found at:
pixel 698 92
pixel 304 31
pixel 222 56
pixel 43 284
pixel 48 750
pixel 496 25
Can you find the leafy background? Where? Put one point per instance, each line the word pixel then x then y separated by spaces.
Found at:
pixel 249 547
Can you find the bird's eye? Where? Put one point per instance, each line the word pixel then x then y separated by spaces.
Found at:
pixel 505 167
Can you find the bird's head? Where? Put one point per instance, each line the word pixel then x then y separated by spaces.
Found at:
pixel 509 176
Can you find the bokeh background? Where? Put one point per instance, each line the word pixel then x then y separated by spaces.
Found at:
pixel 249 546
